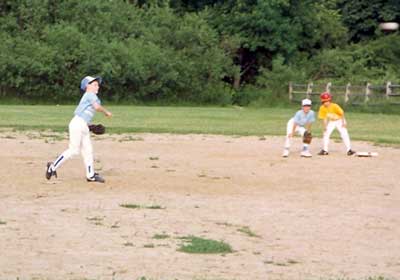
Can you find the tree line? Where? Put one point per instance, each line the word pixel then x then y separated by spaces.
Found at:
pixel 186 51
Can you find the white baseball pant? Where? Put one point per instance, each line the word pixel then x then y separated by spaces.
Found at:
pixel 343 133
pixel 79 141
pixel 289 129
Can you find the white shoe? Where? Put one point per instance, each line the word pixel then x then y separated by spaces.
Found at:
pixel 305 154
pixel 285 153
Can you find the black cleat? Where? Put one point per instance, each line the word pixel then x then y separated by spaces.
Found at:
pixel 323 153
pixel 350 152
pixel 50 172
pixel 96 178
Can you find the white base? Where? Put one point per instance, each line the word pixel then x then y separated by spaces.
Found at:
pixel 366 154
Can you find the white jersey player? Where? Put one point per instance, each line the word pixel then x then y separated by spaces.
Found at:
pixel 300 123
pixel 79 135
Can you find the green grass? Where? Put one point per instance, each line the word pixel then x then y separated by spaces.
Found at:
pixel 198 245
pixel 160 236
pixel 137 206
pixel 377 128
pixel 2 222
pixel 248 231
pixel 153 207
pixel 130 206
pixel 95 219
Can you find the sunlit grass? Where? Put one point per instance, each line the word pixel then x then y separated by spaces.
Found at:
pixel 377 128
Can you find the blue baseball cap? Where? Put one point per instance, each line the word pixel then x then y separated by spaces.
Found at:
pixel 88 79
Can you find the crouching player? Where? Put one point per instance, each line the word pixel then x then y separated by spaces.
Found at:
pixel 300 124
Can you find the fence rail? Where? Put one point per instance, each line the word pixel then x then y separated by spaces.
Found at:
pixel 348 94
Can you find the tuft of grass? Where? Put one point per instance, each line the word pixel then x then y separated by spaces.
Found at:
pixel 115 225
pixel 290 261
pixel 2 222
pixel 153 158
pixel 130 138
pixel 148 245
pixel 9 137
pixel 160 236
pixel 95 219
pixel 282 263
pixel 131 206
pixel 248 231
pixel 52 136
pixel 198 245
pixel 154 207
pixel 137 206
pixel 128 244
pixel 224 224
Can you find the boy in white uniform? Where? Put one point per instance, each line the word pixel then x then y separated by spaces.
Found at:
pixel 300 123
pixel 79 134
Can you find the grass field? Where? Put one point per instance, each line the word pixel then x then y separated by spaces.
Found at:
pixel 377 128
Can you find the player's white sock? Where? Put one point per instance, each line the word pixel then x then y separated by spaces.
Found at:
pixel 89 171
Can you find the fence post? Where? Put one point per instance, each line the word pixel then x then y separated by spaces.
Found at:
pixel 328 87
pixel 309 90
pixel 367 92
pixel 290 91
pixel 388 89
pixel 347 93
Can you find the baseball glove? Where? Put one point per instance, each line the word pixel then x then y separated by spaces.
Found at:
pixel 97 128
pixel 307 137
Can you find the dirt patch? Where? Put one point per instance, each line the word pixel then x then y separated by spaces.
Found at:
pixel 324 217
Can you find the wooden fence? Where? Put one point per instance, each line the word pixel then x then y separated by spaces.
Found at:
pixel 349 94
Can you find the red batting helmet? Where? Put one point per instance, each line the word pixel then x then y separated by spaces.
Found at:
pixel 325 96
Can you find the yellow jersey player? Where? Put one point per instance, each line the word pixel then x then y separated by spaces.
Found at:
pixel 332 116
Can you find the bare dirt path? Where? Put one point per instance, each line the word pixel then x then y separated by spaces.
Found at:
pixel 319 218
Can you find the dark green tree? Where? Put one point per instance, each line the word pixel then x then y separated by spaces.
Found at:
pixel 266 29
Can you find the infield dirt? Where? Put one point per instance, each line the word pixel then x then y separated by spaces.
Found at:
pixel 326 217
